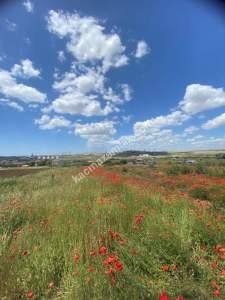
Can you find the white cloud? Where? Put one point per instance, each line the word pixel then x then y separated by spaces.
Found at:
pixel 215 123
pixel 10 88
pixel 87 40
pixel 75 103
pixel 61 56
pixel 142 49
pixel 127 92
pixel 29 6
pixel 11 104
pixel 154 124
pixel 199 98
pixel 96 133
pixel 91 81
pixel 25 69
pixel 46 123
pixel 190 130
pixel 10 26
pixel 81 92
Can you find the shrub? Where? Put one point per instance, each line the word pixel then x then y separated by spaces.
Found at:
pixel 200 193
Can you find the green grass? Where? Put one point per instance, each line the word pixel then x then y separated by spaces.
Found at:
pixel 54 219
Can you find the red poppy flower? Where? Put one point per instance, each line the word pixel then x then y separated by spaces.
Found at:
pixel 118 265
pixel 165 268
pixel 216 293
pixel 109 260
pixel 223 272
pixel 25 253
pixel 102 250
pixel 90 269
pixel 76 258
pixel 215 285
pixel 174 267
pixel 92 253
pixel 110 271
pixel 138 219
pixel 30 294
pixel 122 242
pixel 113 234
pixel 180 298
pixel 164 296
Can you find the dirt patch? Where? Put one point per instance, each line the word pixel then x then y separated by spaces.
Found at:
pixel 19 172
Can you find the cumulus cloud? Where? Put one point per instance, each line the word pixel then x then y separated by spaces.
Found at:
pixel 215 123
pixel 91 81
pixel 142 49
pixel 88 41
pixel 76 103
pixel 29 6
pixel 199 98
pixel 81 91
pixel 47 123
pixel 96 133
pixel 10 88
pixel 154 124
pixel 25 69
pixel 12 104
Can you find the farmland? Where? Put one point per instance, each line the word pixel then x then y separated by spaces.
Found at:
pixel 123 232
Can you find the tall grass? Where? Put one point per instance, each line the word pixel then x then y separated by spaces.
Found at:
pixel 47 220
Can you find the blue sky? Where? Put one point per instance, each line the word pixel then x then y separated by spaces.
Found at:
pixel 84 76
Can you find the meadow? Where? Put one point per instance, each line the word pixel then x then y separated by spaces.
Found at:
pixel 124 232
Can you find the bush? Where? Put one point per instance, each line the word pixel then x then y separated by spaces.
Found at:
pixel 176 170
pixel 200 193
pixel 200 169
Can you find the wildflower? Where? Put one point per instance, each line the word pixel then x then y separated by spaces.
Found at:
pixel 216 293
pixel 76 258
pixel 92 253
pixel 110 271
pixel 90 269
pixel 215 285
pixel 221 250
pixel 174 267
pixel 122 242
pixel 180 298
pixel 164 296
pixel 118 265
pixel 223 272
pixel 109 260
pixel 165 268
pixel 102 250
pixel 25 253
pixel 138 219
pixel 113 234
pixel 30 294
pixel 51 285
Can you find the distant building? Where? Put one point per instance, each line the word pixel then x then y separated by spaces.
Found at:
pixel 190 161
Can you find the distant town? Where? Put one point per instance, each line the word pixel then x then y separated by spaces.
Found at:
pixel 126 157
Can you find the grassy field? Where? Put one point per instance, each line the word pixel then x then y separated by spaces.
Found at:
pixel 124 232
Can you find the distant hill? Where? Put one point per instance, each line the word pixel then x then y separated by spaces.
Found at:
pixel 136 153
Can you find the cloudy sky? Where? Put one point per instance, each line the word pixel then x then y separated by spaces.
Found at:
pixel 81 76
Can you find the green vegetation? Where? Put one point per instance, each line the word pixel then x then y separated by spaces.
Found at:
pixel 112 236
